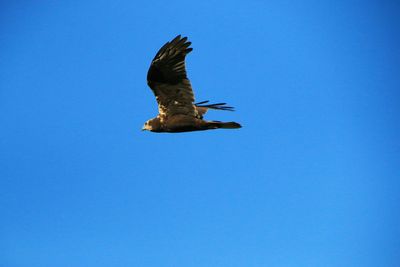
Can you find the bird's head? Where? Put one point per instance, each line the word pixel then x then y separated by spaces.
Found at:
pixel 147 126
pixel 152 125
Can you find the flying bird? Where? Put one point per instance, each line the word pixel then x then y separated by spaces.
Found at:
pixel 177 110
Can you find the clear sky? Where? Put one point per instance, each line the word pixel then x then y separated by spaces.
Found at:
pixel 312 179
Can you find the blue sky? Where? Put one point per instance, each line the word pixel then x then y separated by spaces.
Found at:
pixel 312 179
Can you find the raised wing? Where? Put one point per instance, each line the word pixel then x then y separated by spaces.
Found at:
pixel 168 80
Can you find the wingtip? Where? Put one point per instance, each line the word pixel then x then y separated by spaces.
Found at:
pixel 218 106
pixel 178 37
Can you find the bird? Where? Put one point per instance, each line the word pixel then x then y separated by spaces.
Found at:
pixel 177 110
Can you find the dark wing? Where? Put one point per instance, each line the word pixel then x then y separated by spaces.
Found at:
pixel 168 80
pixel 203 107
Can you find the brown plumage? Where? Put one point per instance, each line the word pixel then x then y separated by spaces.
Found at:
pixel 168 80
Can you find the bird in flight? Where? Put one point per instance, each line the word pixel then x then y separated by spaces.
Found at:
pixel 177 110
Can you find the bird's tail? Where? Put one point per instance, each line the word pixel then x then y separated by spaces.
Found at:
pixel 223 125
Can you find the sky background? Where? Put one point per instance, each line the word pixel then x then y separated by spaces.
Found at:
pixel 312 178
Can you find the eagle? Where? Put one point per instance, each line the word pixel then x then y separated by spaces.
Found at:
pixel 177 110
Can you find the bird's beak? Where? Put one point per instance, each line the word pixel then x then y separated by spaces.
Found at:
pixel 143 129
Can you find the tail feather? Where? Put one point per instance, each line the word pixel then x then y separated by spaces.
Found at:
pixel 223 125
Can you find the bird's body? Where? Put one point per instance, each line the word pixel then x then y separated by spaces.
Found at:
pixel 168 80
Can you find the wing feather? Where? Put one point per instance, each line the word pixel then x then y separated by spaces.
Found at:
pixel 168 80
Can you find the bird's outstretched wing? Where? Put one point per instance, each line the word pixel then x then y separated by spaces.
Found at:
pixel 168 80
